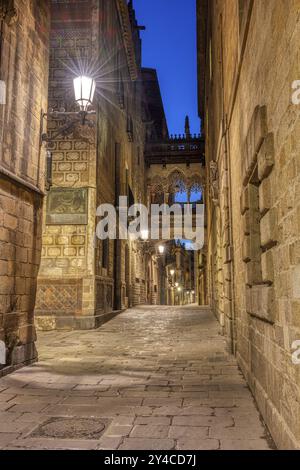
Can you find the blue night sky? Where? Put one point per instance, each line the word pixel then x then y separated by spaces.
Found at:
pixel 169 45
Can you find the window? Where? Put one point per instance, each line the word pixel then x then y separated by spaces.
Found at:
pixel 181 197
pixel 131 200
pixel 120 83
pixel 105 253
pixel 196 196
pixel 121 92
pixel 158 198
pixel 258 253
pixel 252 248
pixel 129 128
pixel 138 156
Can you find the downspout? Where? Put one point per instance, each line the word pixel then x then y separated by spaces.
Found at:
pixel 1 44
pixel 228 166
pixel 1 57
pixel 227 122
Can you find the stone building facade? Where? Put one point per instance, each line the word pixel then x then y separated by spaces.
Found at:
pixel 248 53
pixel 24 56
pixel 176 175
pixel 83 280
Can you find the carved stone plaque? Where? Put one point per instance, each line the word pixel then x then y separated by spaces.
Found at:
pixel 67 206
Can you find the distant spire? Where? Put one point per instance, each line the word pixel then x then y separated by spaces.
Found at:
pixel 187 127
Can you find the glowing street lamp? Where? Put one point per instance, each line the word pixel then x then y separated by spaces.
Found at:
pixel 179 289
pixel 84 88
pixel 161 249
pixel 176 284
pixel 172 272
pixel 144 234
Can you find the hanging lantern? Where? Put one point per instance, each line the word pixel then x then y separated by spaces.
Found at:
pixel 84 88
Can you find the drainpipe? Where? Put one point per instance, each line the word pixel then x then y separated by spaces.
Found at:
pixel 230 228
pixel 1 56
pixel 1 44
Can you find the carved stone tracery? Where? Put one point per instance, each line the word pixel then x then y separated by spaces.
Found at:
pixel 174 182
pixel 214 182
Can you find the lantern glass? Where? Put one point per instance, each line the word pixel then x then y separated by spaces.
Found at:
pixel 84 88
pixel 161 249
pixel 172 272
pixel 145 234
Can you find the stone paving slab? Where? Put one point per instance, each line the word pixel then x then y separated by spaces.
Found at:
pixel 159 376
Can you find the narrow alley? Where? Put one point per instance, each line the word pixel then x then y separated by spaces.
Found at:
pixel 150 226
pixel 152 378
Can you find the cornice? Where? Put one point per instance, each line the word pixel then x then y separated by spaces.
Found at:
pixel 127 38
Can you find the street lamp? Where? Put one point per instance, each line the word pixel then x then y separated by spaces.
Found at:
pixel 172 272
pixel 84 88
pixel 179 289
pixel 161 249
pixel 144 234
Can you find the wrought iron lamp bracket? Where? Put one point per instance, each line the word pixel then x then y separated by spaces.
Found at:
pixel 75 118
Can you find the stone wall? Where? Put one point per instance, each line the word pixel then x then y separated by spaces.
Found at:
pixel 82 280
pixel 252 149
pixel 24 70
pixel 66 288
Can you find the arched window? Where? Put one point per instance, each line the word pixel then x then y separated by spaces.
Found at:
pixel 196 191
pixel 196 195
pixel 181 197
pixel 178 188
pixel 158 198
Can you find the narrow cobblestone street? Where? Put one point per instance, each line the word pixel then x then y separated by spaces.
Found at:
pixel 152 378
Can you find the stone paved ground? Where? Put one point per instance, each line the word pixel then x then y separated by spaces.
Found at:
pixel 156 377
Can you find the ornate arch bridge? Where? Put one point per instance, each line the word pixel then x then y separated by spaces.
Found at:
pixel 175 166
pixel 176 170
pixel 176 173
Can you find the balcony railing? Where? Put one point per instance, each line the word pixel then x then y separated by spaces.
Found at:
pixel 178 146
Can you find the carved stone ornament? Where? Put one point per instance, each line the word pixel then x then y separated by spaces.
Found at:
pixel 174 182
pixel 214 182
pixel 67 206
pixel 85 133
pixel 8 12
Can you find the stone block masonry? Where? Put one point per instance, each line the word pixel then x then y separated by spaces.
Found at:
pixel 22 174
pixel 20 249
pixel 254 59
pixel 83 280
pixel 187 393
